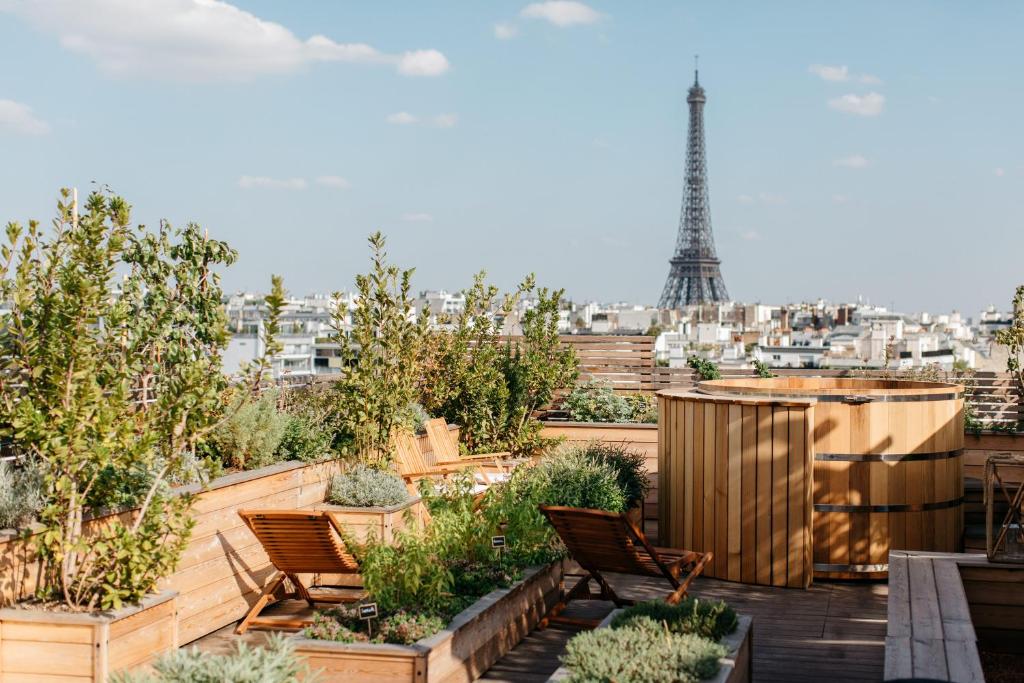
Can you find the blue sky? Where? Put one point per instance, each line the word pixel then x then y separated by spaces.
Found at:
pixel 869 149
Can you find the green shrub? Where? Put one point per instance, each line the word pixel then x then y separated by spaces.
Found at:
pixel 711 619
pixel 275 662
pixel 249 438
pixel 629 466
pixel 575 479
pixel 302 440
pixel 762 370
pixel 364 486
pixel 490 385
pixel 343 625
pixel 310 431
pixel 642 653
pixel 21 495
pixel 705 368
pixel 596 402
pixel 643 408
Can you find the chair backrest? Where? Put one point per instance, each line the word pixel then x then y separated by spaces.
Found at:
pixel 441 442
pixel 301 541
pixel 408 457
pixel 602 541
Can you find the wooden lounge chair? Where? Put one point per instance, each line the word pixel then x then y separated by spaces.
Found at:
pixel 298 542
pixel 412 466
pixel 446 450
pixel 609 542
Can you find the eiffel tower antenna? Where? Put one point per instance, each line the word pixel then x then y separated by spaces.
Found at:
pixel 694 274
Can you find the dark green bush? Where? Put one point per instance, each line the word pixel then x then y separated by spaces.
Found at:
pixel 599 402
pixel 643 653
pixel 629 466
pixel 364 486
pixel 705 368
pixel 575 479
pixel 250 435
pixel 712 619
pixel 643 408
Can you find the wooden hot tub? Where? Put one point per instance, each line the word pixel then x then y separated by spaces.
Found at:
pixel 887 465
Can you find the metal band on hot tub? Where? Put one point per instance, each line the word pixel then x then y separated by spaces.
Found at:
pixel 888 457
pixel 892 507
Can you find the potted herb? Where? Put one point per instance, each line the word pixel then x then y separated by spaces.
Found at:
pixel 371 503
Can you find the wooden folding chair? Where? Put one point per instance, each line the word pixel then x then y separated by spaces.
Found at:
pixel 298 542
pixel 609 542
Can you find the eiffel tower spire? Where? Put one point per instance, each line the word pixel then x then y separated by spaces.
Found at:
pixel 694 275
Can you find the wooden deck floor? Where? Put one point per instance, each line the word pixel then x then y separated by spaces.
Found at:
pixel 831 632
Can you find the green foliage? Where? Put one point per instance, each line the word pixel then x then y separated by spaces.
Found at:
pixel 312 423
pixel 630 468
pixel 363 486
pixel 488 385
pixel 21 495
pixel 598 402
pixel 97 383
pixel 711 619
pixel 1013 339
pixel 380 359
pixel 577 479
pixel 275 662
pixel 705 368
pixel 762 370
pixel 343 625
pixel 643 652
pixel 252 432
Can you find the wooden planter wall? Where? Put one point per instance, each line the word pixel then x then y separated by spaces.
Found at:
pixel 736 479
pixel 223 567
pixel 473 641
pixel 55 647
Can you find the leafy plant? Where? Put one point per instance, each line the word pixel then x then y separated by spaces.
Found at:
pixel 706 369
pixel 711 619
pixel 380 359
pixel 1013 339
pixel 111 359
pixel 630 468
pixel 312 423
pixel 491 385
pixel 274 662
pixel 643 652
pixel 252 432
pixel 599 402
pixel 762 370
pixel 343 625
pixel 363 486
pixel 21 494
pixel 576 479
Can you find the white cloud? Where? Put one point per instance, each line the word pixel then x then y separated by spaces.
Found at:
pixel 446 120
pixel 830 73
pixel 197 40
pixel 561 12
pixel 335 181
pixel 1000 172
pixel 249 182
pixel 423 63
pixel 417 218
pixel 751 235
pixel 402 118
pixel 861 105
pixel 852 161
pixel 505 31
pixel 841 74
pixel 19 118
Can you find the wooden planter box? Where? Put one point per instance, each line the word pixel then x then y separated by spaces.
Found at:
pixel 735 666
pixel 55 647
pixel 472 642
pixel 381 522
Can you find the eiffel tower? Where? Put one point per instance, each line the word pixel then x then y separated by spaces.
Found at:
pixel 694 276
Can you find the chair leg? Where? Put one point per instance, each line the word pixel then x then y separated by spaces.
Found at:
pixel 680 592
pixel 608 594
pixel 265 598
pixel 580 591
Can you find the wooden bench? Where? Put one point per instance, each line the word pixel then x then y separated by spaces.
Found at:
pixel 930 632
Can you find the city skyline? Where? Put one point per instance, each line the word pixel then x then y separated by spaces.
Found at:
pixel 852 152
